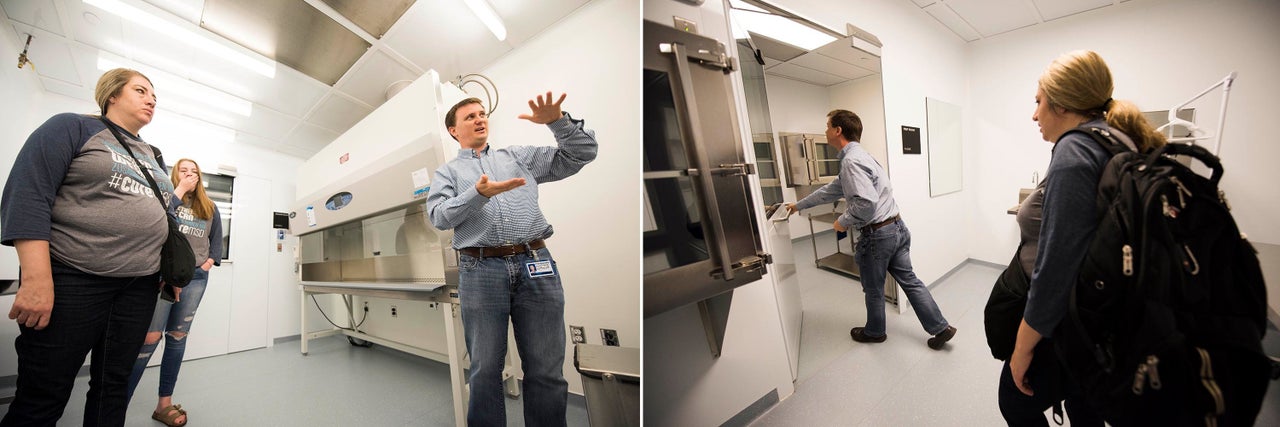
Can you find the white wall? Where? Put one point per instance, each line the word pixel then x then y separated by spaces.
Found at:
pixel 234 315
pixel 1161 53
pixel 683 385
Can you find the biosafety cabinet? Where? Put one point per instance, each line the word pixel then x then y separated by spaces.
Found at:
pixel 360 215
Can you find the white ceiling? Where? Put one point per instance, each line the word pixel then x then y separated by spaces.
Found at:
pixel 292 113
pixel 976 19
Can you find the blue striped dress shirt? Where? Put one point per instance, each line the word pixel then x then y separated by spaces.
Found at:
pixel 864 186
pixel 511 217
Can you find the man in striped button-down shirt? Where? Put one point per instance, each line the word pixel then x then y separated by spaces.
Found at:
pixel 490 198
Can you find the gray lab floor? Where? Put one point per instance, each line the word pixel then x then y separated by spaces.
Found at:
pixel 335 385
pixel 901 382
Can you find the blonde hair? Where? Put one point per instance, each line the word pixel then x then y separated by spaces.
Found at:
pixel 110 84
pixel 1080 82
pixel 196 199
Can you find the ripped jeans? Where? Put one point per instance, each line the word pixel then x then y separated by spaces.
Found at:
pixel 172 319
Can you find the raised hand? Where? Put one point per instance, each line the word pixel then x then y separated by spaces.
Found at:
pixel 186 184
pixel 544 111
pixel 489 188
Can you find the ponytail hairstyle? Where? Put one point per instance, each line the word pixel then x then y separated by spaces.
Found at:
pixel 1080 82
pixel 196 199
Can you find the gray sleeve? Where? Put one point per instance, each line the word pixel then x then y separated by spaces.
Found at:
pixel 1069 220
pixel 826 194
pixel 215 237
pixel 27 202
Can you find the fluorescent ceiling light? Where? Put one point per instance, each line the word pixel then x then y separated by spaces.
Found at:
pixel 191 38
pixel 489 17
pixel 171 90
pixel 780 28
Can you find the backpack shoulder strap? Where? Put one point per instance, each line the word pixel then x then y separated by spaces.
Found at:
pixel 1105 139
pixel 159 156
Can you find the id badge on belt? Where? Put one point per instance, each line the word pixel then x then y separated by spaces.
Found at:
pixel 540 268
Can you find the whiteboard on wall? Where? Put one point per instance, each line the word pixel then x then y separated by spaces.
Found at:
pixel 945 160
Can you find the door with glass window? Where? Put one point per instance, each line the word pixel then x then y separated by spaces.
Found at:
pixel 700 234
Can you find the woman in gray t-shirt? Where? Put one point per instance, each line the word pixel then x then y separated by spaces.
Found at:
pixel 88 227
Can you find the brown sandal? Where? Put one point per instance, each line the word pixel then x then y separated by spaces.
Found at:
pixel 170 413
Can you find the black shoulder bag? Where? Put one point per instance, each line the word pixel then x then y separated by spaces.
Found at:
pixel 1003 314
pixel 177 261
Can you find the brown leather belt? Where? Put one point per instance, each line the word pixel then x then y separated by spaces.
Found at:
pixel 879 225
pixel 503 251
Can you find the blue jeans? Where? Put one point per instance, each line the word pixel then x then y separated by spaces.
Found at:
pixel 102 316
pixel 889 250
pixel 493 290
pixel 171 318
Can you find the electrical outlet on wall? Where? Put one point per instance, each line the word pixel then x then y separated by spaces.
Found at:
pixel 609 336
pixel 394 312
pixel 578 334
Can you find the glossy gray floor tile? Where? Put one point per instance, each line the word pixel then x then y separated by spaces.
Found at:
pixel 335 385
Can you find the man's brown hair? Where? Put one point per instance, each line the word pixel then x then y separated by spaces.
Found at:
pixel 848 122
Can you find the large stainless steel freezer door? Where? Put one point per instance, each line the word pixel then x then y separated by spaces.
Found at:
pixel 701 237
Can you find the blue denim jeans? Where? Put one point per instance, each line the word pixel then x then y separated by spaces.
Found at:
pixel 493 291
pixel 170 318
pixel 889 250
pixel 105 317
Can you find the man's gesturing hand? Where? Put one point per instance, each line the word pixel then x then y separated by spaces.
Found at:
pixel 489 188
pixel 544 111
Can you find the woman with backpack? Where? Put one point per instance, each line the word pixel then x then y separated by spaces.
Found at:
pixel 1057 223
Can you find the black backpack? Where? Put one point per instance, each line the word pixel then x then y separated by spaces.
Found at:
pixel 1165 321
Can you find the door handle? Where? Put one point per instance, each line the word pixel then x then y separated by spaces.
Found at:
pixel 683 93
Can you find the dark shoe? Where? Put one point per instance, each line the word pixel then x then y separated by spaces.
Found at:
pixel 938 340
pixel 859 334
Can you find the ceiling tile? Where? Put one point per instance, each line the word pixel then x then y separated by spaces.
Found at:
pixel 63 88
pixel 266 123
pixel 827 64
pixel 188 10
pixel 369 79
pixel 953 22
pixel 51 56
pixel 96 27
pixel 1054 9
pixel 991 17
pixel 309 137
pixel 41 14
pixel 804 74
pixel 843 50
pixel 338 113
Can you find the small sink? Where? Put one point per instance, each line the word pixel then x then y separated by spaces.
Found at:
pixel 1023 193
